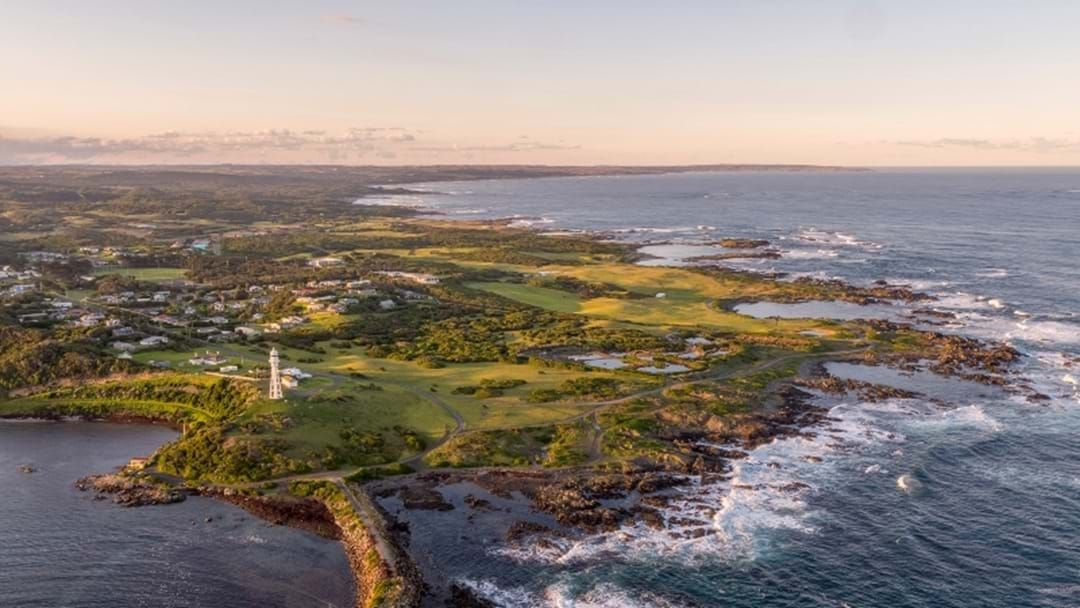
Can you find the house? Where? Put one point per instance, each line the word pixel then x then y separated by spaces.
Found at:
pixel 126 347
pixel 90 319
pixel 247 331
pixel 387 304
pixel 33 317
pixel 416 277
pixel 225 369
pixel 154 341
pixel 326 262
pixel 138 463
pixel 208 358
pixel 168 320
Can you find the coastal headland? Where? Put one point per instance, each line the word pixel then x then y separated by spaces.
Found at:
pixel 547 387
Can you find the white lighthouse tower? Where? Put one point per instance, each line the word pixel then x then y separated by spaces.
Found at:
pixel 275 376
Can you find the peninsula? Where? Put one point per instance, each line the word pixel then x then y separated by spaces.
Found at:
pixel 332 363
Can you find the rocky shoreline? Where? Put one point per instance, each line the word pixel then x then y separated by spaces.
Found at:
pixel 130 491
pixel 586 501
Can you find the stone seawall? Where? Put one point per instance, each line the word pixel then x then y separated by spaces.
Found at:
pixel 385 576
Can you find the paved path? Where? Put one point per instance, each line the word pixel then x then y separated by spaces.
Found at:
pixel 417 461
pixel 372 522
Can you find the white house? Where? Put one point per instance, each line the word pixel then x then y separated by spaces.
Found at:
pixel 416 277
pixel 326 262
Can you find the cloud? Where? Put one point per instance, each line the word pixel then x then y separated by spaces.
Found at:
pixel 522 144
pixel 274 145
pixel 342 19
pixel 1031 144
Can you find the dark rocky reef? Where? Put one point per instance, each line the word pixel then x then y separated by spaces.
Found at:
pixel 130 491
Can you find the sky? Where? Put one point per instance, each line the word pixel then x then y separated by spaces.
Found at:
pixel 847 82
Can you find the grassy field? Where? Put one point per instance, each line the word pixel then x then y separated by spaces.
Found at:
pixel 318 418
pixel 153 275
pixel 507 410
pixel 541 297
pixel 688 300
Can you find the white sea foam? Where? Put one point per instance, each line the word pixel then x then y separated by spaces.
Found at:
pixel 766 491
pixel 918 284
pixel 505 597
pixel 604 595
pixel 993 273
pixel 962 300
pixel 908 484
pixel 967 416
pixel 529 222
pixel 562 595
pixel 646 230
pixel 835 239
pixel 809 254
pixel 1054 332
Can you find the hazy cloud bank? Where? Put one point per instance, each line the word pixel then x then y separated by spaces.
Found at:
pixel 1031 144
pixel 368 144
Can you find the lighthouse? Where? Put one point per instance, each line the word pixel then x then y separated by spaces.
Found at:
pixel 275 376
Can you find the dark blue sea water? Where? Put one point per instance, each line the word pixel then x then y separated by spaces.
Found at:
pixel 61 548
pixel 976 503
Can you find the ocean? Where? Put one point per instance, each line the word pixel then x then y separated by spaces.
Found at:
pixel 61 548
pixel 972 500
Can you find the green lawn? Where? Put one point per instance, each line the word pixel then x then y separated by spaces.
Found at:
pixel 510 409
pixel 319 418
pixel 688 300
pixel 154 275
pixel 541 297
